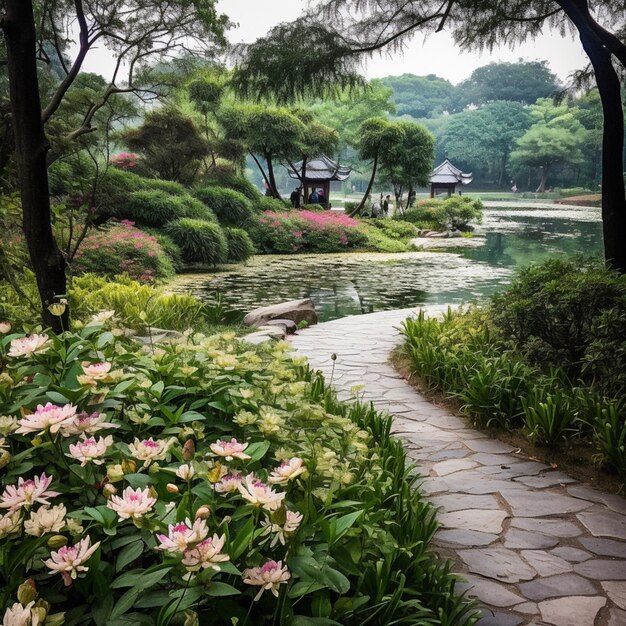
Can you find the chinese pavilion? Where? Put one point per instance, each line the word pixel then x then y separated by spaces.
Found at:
pixel 320 171
pixel 447 177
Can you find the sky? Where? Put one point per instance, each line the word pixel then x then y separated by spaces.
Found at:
pixel 438 55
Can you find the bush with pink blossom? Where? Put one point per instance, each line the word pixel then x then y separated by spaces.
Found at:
pixel 123 249
pixel 206 482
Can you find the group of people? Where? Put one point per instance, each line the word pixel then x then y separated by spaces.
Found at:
pixel 382 208
pixel 315 197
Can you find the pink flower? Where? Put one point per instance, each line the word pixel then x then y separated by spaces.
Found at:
pixel 87 450
pixel 287 471
pixel 228 483
pixel 230 449
pixel 93 372
pixel 292 523
pixel 68 561
pixel 85 424
pixel 148 450
pixel 132 503
pixel 27 493
pixel 206 554
pixel 259 494
pixel 49 417
pixel 268 577
pixel 29 345
pixel 183 536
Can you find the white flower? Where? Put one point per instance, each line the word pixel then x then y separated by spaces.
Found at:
pixel 206 554
pixel 86 450
pixel 270 576
pixel 292 523
pixel 185 471
pixel 132 503
pixel 259 494
pixel 27 493
pixel 68 561
pixel 29 345
pixel 5 327
pixel 45 520
pixel 183 536
pixel 85 424
pixel 148 450
pixel 49 417
pixel 10 523
pixel 18 615
pixel 228 483
pixel 230 449
pixel 7 424
pixel 93 372
pixel 103 316
pixel 287 471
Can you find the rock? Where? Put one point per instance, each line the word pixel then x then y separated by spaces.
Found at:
pixel 275 332
pixel 572 610
pixel 159 335
pixel 295 310
pixel 497 563
pixel 258 338
pixel 557 586
pixel 289 325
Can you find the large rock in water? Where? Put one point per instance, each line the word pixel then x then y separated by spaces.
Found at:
pixel 294 310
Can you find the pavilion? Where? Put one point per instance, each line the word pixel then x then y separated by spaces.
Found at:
pixel 319 173
pixel 447 177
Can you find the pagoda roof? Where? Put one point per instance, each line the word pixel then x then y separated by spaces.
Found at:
pixel 321 168
pixel 448 173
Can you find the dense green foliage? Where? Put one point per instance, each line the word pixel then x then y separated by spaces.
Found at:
pixel 422 96
pixel 199 241
pixel 157 208
pixel 231 207
pixel 547 357
pixel 232 181
pixel 240 246
pixel 456 212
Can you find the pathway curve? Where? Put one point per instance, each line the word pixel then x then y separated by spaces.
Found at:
pixel 535 546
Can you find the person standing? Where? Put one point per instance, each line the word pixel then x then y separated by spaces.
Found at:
pixel 295 198
pixel 314 198
pixel 386 205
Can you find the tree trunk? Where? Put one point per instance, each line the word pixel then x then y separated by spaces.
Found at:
pixel 599 49
pixel 359 208
pixel 272 179
pixel 31 148
pixel 542 182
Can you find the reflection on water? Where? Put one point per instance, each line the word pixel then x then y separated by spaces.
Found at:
pixel 353 284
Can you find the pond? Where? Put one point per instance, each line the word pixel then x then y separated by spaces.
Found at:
pixel 353 284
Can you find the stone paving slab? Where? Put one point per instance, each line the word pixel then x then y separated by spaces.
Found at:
pixel 536 547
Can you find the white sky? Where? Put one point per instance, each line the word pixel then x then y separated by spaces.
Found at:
pixel 438 55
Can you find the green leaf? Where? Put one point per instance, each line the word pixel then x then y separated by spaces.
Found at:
pixel 257 450
pixel 301 588
pixel 219 589
pixel 242 539
pixel 344 523
pixel 140 578
pixel 139 480
pixel 125 603
pixel 129 553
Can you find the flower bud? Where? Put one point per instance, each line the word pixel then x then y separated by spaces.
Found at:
pixel 27 591
pixel 57 308
pixel 172 488
pixel 115 473
pixel 189 450
pixel 5 457
pixel 109 490
pixel 191 619
pixel 38 615
pixel 204 512
pixel 58 619
pixel 153 493
pixel 57 541
pixel 333 357
pixel 5 327
pixel 129 466
pixel 185 472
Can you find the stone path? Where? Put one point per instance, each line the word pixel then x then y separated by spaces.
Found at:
pixel 535 546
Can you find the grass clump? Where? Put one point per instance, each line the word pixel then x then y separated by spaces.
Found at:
pixel 199 241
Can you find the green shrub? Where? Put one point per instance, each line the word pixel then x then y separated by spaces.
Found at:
pixel 152 208
pixel 230 207
pixel 199 241
pixel 169 247
pixel 350 205
pixel 192 207
pixel 377 239
pixel 394 229
pixel 122 248
pixel 230 180
pixel 265 203
pixel 456 212
pixel 312 207
pixel 240 246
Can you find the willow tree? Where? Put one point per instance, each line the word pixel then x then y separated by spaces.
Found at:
pixel 326 45
pixel 34 31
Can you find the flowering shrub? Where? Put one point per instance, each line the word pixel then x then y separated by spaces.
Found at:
pixel 125 160
pixel 206 482
pixel 306 231
pixel 122 248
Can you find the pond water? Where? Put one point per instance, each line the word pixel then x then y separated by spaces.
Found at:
pixel 352 284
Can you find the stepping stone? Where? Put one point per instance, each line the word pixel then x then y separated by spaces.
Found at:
pixel 605 547
pixel 453 465
pixel 571 611
pixel 494 459
pixel 490 446
pixel 574 555
pixel 549 479
pixel 542 503
pixel 465 538
pixel 616 618
pixel 459 502
pixel 604 524
pixel 556 586
pixel 602 569
pixel 497 563
pixel 527 608
pixel 449 454
pixel 492 594
pixel 485 521
pixel 546 564
pixel 553 527
pixel 616 590
pixel 523 539
pixel 499 619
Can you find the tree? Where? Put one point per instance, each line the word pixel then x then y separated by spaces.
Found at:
pixel 171 145
pixel 408 163
pixel 523 82
pixel 556 138
pixel 422 96
pixel 376 135
pixel 134 31
pixel 326 45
